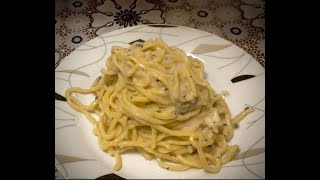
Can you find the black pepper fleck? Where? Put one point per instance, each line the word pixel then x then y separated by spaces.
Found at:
pixel 157 80
pixel 246 108
pixel 235 125
pixel 209 145
pixel 165 89
pixel 167 168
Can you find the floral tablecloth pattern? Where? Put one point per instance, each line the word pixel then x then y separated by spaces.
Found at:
pixel 239 21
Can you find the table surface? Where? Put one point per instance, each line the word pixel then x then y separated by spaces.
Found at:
pixel 239 21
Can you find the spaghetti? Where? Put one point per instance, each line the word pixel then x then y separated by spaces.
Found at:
pixel 155 99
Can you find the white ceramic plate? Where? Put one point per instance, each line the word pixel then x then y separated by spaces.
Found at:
pixel 76 148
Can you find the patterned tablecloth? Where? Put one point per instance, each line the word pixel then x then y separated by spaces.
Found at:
pixel 239 21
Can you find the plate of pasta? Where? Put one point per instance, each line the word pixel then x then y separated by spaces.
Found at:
pixel 158 102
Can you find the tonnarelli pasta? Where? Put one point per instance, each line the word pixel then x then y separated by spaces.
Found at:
pixel 153 98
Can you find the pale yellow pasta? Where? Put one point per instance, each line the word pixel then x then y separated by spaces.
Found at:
pixel 153 98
